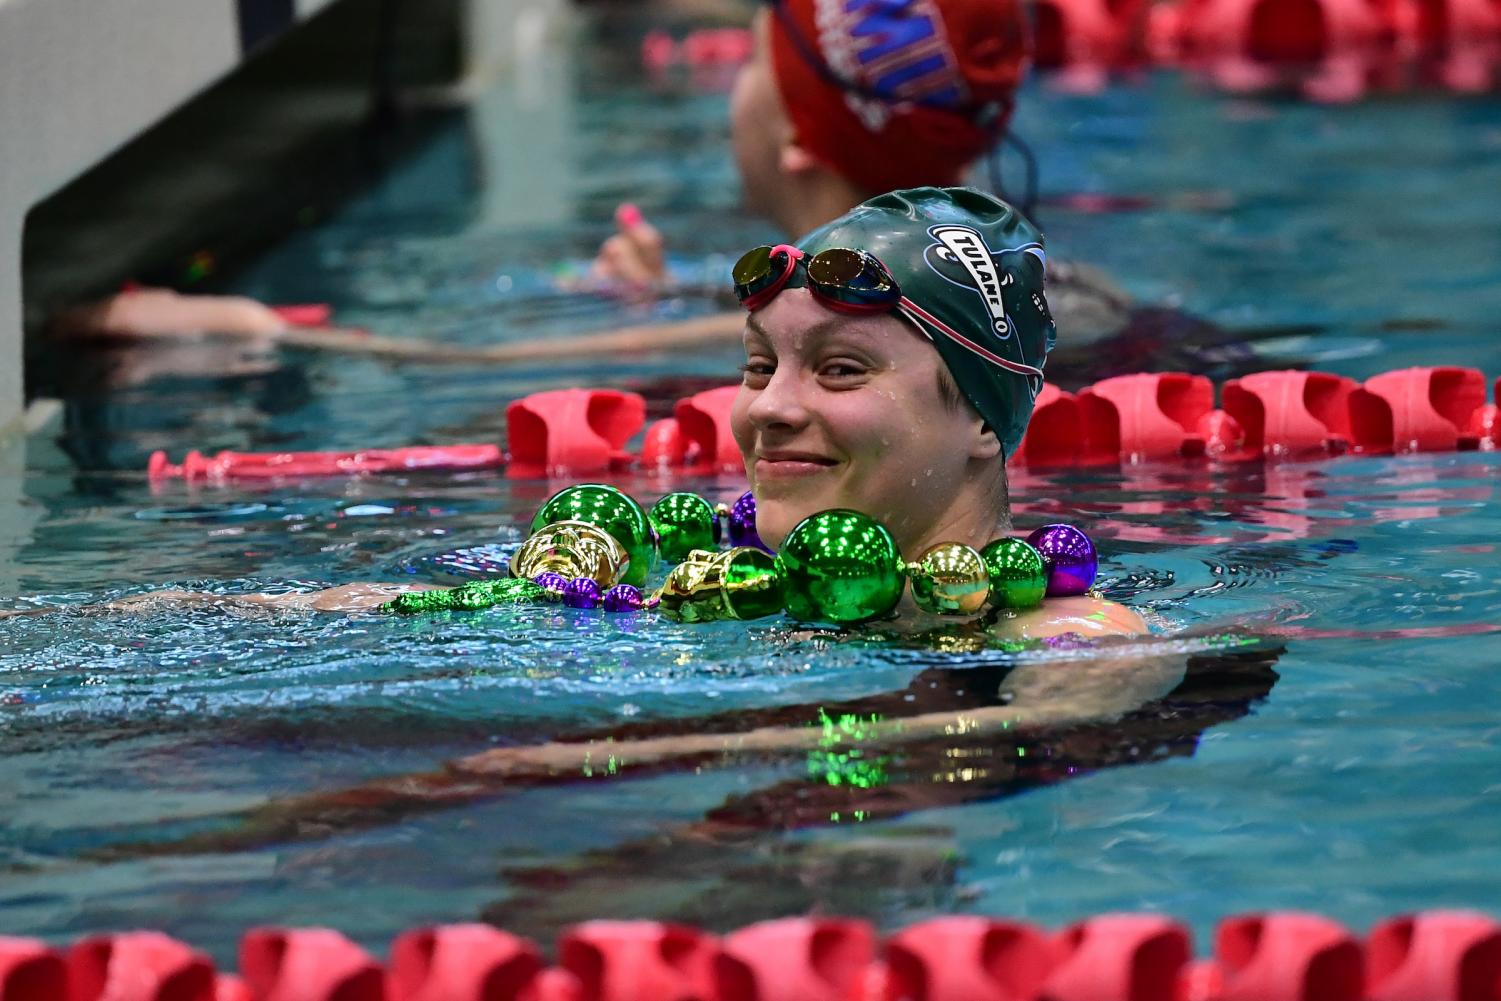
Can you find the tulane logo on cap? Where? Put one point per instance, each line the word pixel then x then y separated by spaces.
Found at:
pixel 962 257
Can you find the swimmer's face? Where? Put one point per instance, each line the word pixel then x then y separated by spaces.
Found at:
pixel 759 127
pixel 841 411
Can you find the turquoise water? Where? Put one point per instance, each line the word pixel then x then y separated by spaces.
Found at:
pixel 1347 764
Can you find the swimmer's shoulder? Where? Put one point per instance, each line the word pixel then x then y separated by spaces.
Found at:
pixel 1085 615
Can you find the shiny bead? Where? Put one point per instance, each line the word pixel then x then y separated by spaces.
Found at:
pixel 624 598
pixel 742 583
pixel 572 549
pixel 742 523
pixel 581 592
pixel 551 580
pixel 1070 557
pixel 467 597
pixel 753 585
pixel 840 566
pixel 1018 578
pixel 950 579
pixel 470 598
pixel 684 522
pixel 417 602
pixel 610 509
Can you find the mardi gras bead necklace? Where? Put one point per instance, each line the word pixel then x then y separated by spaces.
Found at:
pixel 593 545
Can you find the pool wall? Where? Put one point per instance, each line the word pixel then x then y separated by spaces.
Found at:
pixel 78 79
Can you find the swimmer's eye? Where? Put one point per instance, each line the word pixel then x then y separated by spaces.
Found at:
pixel 756 373
pixel 842 371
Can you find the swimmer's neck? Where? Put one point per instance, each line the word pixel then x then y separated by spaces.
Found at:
pixel 974 522
pixel 813 197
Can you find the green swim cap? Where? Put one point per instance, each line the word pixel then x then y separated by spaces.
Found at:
pixel 971 271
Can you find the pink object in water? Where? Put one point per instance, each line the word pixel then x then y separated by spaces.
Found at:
pixel 572 431
pixel 138 966
pixel 311 314
pixel 704 422
pixel 308 964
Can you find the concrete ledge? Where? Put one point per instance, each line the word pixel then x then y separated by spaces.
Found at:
pixel 78 78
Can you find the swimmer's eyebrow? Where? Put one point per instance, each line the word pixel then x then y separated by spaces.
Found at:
pixel 819 331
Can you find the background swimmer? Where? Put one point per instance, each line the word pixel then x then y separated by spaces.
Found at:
pixel 827 114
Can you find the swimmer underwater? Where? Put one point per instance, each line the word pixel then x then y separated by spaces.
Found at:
pixel 904 412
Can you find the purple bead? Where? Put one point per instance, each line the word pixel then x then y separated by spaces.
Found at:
pixel 1067 641
pixel 624 598
pixel 1069 558
pixel 552 580
pixel 581 592
pixel 743 523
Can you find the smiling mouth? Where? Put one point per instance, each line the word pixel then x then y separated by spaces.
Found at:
pixel 791 464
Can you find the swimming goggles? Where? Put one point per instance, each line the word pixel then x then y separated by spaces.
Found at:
pixel 847 281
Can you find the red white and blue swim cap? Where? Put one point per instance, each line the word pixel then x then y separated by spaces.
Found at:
pixel 898 93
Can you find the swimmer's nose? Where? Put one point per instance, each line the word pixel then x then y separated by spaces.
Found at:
pixel 780 405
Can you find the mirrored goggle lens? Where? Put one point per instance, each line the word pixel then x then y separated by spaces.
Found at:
pixel 853 276
pixel 752 271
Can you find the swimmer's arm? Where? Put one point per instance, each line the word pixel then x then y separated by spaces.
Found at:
pixel 344 598
pixel 1096 688
pixel 1085 615
pixel 164 313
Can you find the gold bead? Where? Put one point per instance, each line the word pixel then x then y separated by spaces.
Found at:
pixel 573 549
pixel 741 583
pixel 950 579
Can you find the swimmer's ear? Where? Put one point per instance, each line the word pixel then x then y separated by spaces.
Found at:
pixel 984 444
pixel 796 160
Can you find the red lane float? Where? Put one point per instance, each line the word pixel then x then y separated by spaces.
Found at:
pixel 309 314
pixel 717 47
pixel 138 966
pixel 1272 956
pixel 1055 435
pixel 1076 33
pixel 798 959
pixel 572 431
pixel 1144 953
pixel 308 964
pixel 1299 957
pixel 1437 956
pixel 625 960
pixel 231 988
pixel 1128 419
pixel 704 422
pixel 30 971
pixel 1145 417
pixel 461 963
pixel 959 958
pixel 1417 410
pixel 1277 31
pixel 1295 414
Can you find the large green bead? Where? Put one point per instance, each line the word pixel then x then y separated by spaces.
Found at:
pixel 684 522
pixel 1018 578
pixel 613 511
pixel 753 584
pixel 840 566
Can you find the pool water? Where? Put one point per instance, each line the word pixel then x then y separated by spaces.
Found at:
pixel 1346 763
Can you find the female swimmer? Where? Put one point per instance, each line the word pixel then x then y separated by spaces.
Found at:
pixel 895 387
pixel 892 359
